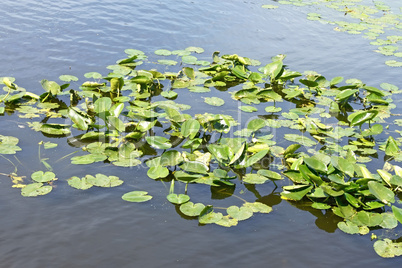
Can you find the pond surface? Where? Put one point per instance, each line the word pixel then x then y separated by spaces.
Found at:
pixel 95 228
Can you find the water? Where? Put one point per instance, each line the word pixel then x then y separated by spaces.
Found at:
pixel 95 228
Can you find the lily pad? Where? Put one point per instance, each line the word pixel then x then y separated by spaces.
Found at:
pixel 388 249
pixel 158 142
pixel 136 196
pixel 240 213
pixel 157 172
pixel 178 198
pixel 35 189
pixel 40 176
pixel 192 210
pixel 214 101
pixel 79 183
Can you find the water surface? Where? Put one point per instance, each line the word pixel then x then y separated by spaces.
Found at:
pixel 95 228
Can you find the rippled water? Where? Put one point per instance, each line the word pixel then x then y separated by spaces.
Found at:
pixel 95 228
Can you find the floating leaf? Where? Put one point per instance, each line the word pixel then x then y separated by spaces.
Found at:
pixel 94 75
pixel 68 78
pixel 388 249
pixel 178 198
pixel 303 140
pixel 189 59
pixel 316 164
pixel 227 221
pixel 163 52
pixel 169 94
pixel 40 176
pixel 35 189
pixel 195 167
pixel 258 207
pixel 273 109
pixel 240 214
pixel 157 172
pixel 88 159
pixel 360 117
pixel 389 221
pixel 50 86
pixel 256 124
pixel 195 49
pixel 272 175
pixel 397 213
pixel 248 109
pixel 49 145
pixel 391 146
pixel 384 194
pixel 158 142
pixel 297 193
pixel 136 196
pixel 214 101
pixel 190 128
pixel 81 184
pixel 208 216
pixel 192 210
pixel 254 179
pixel 393 63
pixel 348 227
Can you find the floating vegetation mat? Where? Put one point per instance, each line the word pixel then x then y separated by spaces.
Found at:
pixel 312 135
pixel 374 20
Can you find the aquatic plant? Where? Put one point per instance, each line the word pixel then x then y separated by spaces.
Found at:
pixel 316 149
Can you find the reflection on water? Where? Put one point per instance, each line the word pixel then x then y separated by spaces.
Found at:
pixel 95 228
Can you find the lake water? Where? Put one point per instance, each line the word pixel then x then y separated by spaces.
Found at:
pixel 95 228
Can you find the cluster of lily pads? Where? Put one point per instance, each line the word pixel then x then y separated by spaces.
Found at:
pixel 321 145
pixel 374 19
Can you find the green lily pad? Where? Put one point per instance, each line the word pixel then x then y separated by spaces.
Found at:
pixel 35 189
pixel 214 101
pixel 49 145
pixel 240 213
pixel 194 167
pixel 169 94
pixel 136 196
pixel 248 109
pixel 68 78
pixel 94 75
pixel 189 59
pixel 40 176
pixel 198 89
pixel 163 52
pixel 254 179
pixel 192 210
pixel 79 183
pixel 259 207
pixel 272 175
pixel 158 142
pixel 393 63
pixel 178 198
pixel 384 194
pixel 157 172
pixel 348 227
pixel 388 249
pixel 397 213
pixel 88 159
pixel 227 221
pixel 190 128
pixel 272 109
pixel 303 140
pixel 195 49
pixel 208 216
